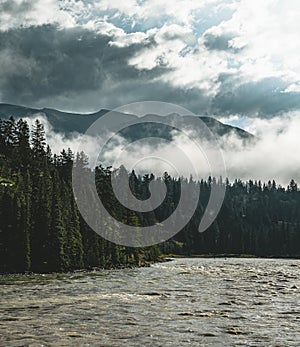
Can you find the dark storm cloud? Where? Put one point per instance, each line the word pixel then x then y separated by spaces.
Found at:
pixel 265 98
pixel 44 62
pixel 15 8
pixel 77 68
pixel 61 61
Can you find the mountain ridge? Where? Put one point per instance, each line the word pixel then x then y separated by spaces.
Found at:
pixel 69 122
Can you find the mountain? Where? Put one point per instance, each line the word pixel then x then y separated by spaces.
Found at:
pixel 61 121
pixel 68 123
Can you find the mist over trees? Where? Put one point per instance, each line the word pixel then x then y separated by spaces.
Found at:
pixel 41 229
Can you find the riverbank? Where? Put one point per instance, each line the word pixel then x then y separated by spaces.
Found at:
pixel 142 263
pixel 245 256
pixel 161 259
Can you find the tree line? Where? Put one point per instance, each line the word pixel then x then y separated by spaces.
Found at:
pixel 41 229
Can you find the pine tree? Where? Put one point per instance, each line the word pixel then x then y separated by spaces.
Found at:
pixel 38 140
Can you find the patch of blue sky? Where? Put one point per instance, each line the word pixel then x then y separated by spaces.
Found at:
pixel 186 50
pixel 131 24
pixel 240 122
pixel 209 17
pixel 122 21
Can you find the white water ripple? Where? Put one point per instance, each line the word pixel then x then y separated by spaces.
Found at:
pixel 186 302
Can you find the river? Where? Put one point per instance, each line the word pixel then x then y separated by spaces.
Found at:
pixel 185 302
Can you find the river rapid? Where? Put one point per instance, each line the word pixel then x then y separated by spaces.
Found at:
pixel 185 302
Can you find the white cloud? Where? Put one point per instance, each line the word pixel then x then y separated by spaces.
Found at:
pixel 250 41
pixel 269 31
pixel 294 87
pixel 178 11
pixel 124 40
pixel 168 42
pixel 271 156
pixel 232 119
pixel 25 13
pixel 264 33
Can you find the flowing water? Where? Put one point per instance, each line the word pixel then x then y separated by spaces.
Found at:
pixel 186 302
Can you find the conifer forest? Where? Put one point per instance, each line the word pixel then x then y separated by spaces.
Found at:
pixel 41 228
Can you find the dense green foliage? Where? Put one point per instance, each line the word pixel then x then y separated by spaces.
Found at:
pixel 41 229
pixel 255 218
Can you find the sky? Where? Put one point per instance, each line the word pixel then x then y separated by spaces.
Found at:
pixel 232 59
pixel 235 60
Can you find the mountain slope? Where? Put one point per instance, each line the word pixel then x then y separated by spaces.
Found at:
pixel 75 122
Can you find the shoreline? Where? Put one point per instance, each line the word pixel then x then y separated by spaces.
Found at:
pixel 238 256
pixel 162 259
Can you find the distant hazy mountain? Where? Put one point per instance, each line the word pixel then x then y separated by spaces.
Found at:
pixel 75 122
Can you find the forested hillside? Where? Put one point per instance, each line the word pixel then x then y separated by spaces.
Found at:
pixel 41 229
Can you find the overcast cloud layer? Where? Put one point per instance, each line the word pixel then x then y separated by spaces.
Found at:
pixel 221 58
